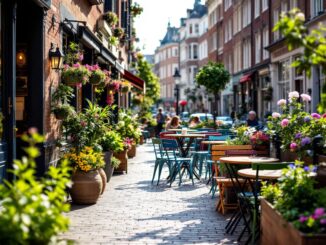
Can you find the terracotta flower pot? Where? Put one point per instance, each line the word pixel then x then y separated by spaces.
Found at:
pixel 104 179
pixel 86 187
pixel 108 167
pixel 123 157
pixel 141 140
pixel 132 151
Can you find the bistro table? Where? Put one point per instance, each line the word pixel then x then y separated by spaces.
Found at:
pixel 180 130
pixel 213 142
pixel 230 163
pixel 262 174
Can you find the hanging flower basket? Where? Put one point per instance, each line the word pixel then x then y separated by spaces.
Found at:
pixel 125 87
pixel 111 18
pixel 118 32
pixel 97 76
pixel 74 75
pixel 114 86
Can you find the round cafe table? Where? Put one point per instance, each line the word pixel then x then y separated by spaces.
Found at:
pixel 180 130
pixel 262 174
pixel 213 142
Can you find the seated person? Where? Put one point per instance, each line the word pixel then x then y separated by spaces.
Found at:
pixel 174 123
pixel 252 119
pixel 194 122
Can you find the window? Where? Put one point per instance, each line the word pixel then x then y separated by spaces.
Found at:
pixel 195 51
pixel 246 54
pixel 276 16
pixel 190 29
pixel 196 28
pixel 316 7
pixel 189 52
pixel 236 20
pixel 228 31
pixel 227 4
pixel 284 7
pixel 265 42
pixel 264 5
pixel 195 72
pixel 257 47
pixel 213 42
pixel 284 79
pixel 175 52
pixel 257 8
pixel 246 13
pixel 293 4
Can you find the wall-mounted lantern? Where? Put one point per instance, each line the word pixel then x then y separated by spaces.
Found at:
pixel 56 57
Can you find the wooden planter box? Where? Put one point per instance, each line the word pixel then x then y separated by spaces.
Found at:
pixel 123 157
pixel 288 156
pixel 275 230
pixel 132 151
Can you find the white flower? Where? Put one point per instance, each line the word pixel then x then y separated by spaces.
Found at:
pixel 281 102
pixel 300 16
pixel 276 115
pixel 294 95
pixel 305 97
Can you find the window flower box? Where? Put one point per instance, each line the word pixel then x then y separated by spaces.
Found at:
pixel 273 223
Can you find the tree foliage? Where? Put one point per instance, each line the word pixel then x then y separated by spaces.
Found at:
pixel 296 33
pixel 213 76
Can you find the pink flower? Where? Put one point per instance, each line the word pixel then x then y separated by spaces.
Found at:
pixel 83 123
pixel 305 97
pixel 324 115
pixel 78 85
pixel 315 116
pixel 276 115
pixel 319 212
pixel 80 56
pixel 285 122
pixel 65 67
pixel 281 102
pixel 294 95
pixel 32 130
pixel 77 65
pixel 96 67
pixel 303 219
pixel 293 146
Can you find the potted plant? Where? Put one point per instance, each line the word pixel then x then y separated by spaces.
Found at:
pixel 115 163
pixel 32 209
pixel 111 18
pixel 75 75
pixel 60 101
pixel 113 41
pixel 87 181
pixel 62 111
pixel 122 156
pixel 125 87
pixel 110 142
pixel 293 209
pixel 118 32
pixel 97 75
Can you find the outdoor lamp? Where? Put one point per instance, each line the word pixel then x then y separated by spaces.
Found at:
pixel 177 78
pixel 56 57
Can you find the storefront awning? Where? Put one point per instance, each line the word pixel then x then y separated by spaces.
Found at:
pixel 245 78
pixel 135 81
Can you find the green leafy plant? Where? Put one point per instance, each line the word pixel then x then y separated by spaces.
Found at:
pixel 118 32
pixel 111 141
pixel 111 18
pixel 114 41
pixel 62 111
pixel 32 209
pixel 63 94
pixel 115 163
pixel 295 195
pixel 136 9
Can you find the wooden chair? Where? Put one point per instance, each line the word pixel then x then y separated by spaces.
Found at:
pixel 223 183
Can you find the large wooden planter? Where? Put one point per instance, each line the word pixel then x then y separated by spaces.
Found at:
pixel 132 151
pixel 123 157
pixel 108 167
pixel 275 230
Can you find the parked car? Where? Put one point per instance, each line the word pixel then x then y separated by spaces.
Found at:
pixel 203 116
pixel 226 120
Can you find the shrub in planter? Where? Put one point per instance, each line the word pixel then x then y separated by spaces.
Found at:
pixel 62 111
pixel 297 200
pixel 32 209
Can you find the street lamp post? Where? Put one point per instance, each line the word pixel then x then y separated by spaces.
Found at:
pixel 177 78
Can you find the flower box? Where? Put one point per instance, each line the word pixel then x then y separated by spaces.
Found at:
pixel 123 157
pixel 275 230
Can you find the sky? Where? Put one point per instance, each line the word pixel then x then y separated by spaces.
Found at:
pixel 152 24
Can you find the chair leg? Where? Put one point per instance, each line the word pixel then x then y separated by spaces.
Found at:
pixel 180 176
pixel 159 171
pixel 155 167
pixel 191 174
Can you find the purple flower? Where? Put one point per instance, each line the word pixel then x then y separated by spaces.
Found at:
pixel 291 166
pixel 315 115
pixel 323 221
pixel 306 168
pixel 303 219
pixel 314 169
pixel 319 212
pixel 285 122
pixel 293 146
pixel 307 119
pixel 298 135
pixel 305 141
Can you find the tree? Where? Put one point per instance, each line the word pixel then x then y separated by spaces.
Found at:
pixel 314 45
pixel 152 93
pixel 214 77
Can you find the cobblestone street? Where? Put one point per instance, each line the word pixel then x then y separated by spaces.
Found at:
pixel 132 211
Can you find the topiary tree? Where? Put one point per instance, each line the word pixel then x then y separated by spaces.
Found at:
pixel 214 77
pixel 292 26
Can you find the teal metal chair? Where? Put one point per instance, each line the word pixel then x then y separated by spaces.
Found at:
pixel 160 159
pixel 178 164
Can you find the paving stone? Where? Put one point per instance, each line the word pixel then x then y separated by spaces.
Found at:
pixel 132 211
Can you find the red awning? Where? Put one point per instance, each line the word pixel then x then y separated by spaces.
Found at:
pixel 245 78
pixel 135 81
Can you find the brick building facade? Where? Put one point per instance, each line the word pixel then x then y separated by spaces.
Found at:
pixel 29 29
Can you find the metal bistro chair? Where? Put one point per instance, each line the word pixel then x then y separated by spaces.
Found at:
pixel 178 164
pixel 160 159
pixel 256 191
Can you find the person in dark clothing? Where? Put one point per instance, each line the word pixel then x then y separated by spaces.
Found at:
pixel 252 119
pixel 160 119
